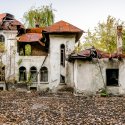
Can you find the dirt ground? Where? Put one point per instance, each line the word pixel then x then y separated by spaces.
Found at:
pixel 22 108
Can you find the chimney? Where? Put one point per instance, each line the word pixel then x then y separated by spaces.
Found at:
pixel 119 39
pixel 37 25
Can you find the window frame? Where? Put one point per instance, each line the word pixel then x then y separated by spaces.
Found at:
pixel 112 75
pixel 33 72
pixel 44 73
pixel 62 55
pixel 24 74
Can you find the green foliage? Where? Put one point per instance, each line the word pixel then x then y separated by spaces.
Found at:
pixel 104 93
pixel 29 81
pixel 78 47
pixel 27 50
pixel 43 16
pixel 104 36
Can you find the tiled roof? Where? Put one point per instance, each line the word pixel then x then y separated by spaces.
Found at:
pixel 89 53
pixel 2 16
pixel 62 26
pixel 30 37
pixel 35 30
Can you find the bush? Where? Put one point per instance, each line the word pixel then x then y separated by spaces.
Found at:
pixel 104 93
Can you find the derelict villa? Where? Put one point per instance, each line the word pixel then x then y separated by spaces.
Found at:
pixel 44 57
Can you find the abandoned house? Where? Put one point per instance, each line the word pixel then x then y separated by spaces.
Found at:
pixel 43 57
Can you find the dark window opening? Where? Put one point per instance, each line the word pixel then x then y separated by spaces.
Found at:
pixel 33 88
pixel 1 88
pixel 43 74
pixel 33 73
pixel 25 50
pixel 2 73
pixel 2 39
pixel 22 74
pixel 31 49
pixel 112 77
pixel 62 54
pixel 62 79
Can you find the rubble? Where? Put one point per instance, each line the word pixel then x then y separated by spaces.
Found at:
pixel 22 108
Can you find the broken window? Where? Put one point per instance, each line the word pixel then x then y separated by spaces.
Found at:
pixel 22 74
pixel 2 43
pixel 112 77
pixel 2 73
pixel 33 72
pixel 43 74
pixel 25 50
pixel 62 79
pixel 62 54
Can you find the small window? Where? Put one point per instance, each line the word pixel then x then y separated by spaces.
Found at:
pixel 62 55
pixel 43 74
pixel 22 74
pixel 25 50
pixel 33 73
pixel 2 43
pixel 62 79
pixel 112 77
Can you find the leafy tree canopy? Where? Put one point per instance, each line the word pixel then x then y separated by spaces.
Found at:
pixel 104 36
pixel 43 16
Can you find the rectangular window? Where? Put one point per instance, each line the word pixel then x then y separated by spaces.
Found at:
pixel 112 77
pixel 63 57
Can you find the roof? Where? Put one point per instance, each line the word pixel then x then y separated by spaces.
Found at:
pixel 2 16
pixel 30 37
pixel 64 27
pixel 94 53
pixel 35 30
pixel 8 22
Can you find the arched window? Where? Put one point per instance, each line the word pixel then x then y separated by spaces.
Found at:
pixel 2 43
pixel 2 73
pixel 62 54
pixel 22 74
pixel 43 74
pixel 2 39
pixel 33 73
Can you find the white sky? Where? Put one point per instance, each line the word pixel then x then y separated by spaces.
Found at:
pixel 84 14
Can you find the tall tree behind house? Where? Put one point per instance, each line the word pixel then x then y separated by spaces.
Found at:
pixel 104 36
pixel 41 16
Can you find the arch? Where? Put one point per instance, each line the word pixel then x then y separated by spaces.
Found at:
pixel 2 38
pixel 62 54
pixel 33 74
pixel 22 73
pixel 44 74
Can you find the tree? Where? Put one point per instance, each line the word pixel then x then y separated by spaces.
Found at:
pixel 104 35
pixel 43 16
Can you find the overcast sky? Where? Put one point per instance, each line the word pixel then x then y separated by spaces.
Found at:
pixel 84 14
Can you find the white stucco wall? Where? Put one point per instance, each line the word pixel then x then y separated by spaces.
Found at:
pixel 88 76
pixel 8 57
pixel 55 68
